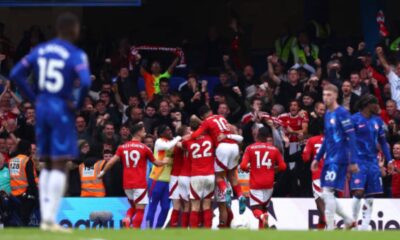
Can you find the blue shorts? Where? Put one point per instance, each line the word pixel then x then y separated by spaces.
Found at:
pixel 56 135
pixel 333 176
pixel 369 179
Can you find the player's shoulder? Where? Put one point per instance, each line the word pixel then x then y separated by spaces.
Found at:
pixel 283 115
pixel 342 111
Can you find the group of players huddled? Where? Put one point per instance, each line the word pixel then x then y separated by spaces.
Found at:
pixel 203 159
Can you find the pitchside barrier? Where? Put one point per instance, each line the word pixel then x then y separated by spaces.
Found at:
pixel 284 214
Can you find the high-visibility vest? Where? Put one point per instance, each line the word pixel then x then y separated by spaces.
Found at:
pixel 300 56
pixel 91 186
pixel 321 31
pixel 18 178
pixel 283 48
pixel 244 181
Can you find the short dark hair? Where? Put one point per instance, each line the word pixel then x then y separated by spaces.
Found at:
pixel 161 129
pixel 255 99
pixel 264 133
pixel 137 128
pixel 107 151
pixel 365 100
pixel 204 110
pixel 164 80
pixel 194 124
pixel 24 147
pixel 65 22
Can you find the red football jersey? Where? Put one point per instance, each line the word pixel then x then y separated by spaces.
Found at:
pixel 312 147
pixel 178 161
pixel 214 125
pixel 186 165
pixel 294 122
pixel 134 156
pixel 396 180
pixel 262 157
pixel 201 154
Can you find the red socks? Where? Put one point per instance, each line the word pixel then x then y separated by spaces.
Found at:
pixel 174 218
pixel 230 217
pixel 257 214
pixel 194 219
pixel 207 217
pixel 221 185
pixel 185 220
pixel 137 221
pixel 131 212
pixel 237 190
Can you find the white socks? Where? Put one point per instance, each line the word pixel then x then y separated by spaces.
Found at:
pixel 53 183
pixel 355 205
pixel 366 214
pixel 43 193
pixel 330 207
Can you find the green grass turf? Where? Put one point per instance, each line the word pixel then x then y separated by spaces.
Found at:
pixel 35 234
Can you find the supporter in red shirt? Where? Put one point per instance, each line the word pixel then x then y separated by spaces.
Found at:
pixel 394 168
pixel 295 122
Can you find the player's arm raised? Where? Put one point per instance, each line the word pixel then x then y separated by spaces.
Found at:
pixel 163 145
pixel 382 59
pixel 108 166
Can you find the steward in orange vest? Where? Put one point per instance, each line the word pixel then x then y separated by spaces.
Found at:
pixel 91 186
pixel 23 180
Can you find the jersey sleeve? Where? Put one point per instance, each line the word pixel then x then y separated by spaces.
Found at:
pixel 20 72
pixel 119 153
pixel 307 151
pixel 245 160
pixel 348 129
pixel 81 68
pixel 203 127
pixel 149 155
pixel 166 75
pixel 321 151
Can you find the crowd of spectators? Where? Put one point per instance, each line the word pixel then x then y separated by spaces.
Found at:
pixel 286 95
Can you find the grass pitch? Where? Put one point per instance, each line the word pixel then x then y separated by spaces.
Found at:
pixel 36 234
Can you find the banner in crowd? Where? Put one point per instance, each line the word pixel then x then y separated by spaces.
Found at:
pixel 284 213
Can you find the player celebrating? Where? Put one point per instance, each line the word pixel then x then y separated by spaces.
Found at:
pixel 201 156
pixel 227 153
pixel 312 147
pixel 367 183
pixel 55 64
pixel 262 157
pixel 339 145
pixel 134 155
pixel 179 183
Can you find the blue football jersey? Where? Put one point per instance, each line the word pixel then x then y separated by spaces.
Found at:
pixel 339 134
pixel 55 65
pixel 369 133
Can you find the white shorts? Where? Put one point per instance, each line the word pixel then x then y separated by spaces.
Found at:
pixel 184 187
pixel 220 196
pixel 202 187
pixel 137 195
pixel 173 188
pixel 260 196
pixel 227 157
pixel 317 190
